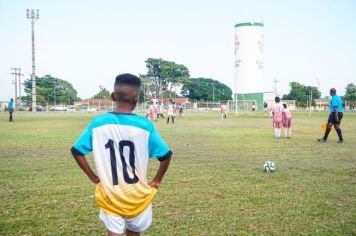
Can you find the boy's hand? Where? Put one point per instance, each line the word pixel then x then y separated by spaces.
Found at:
pixel 163 166
pixel 83 164
pixel 155 184
pixel 95 179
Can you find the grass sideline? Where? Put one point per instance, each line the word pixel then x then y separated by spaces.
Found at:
pixel 215 184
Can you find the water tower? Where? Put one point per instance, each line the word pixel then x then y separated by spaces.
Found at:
pixel 249 42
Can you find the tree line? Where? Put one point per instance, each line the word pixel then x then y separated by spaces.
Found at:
pixel 165 79
pixel 302 94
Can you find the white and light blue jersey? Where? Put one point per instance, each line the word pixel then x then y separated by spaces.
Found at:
pixel 122 145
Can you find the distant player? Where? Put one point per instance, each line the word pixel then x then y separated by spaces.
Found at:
pixel 265 106
pixel 253 107
pixel 277 114
pixel 171 112
pixel 287 121
pixel 122 143
pixel 10 107
pixel 335 116
pixel 223 111
pixel 155 111
pixel 180 110
pixel 151 115
pixel 159 111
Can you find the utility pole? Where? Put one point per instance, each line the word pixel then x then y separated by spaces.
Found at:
pixel 32 16
pixel 160 89
pixel 17 74
pixel 275 81
pixel 54 93
pixel 20 83
pixel 144 94
pixel 310 102
pixel 317 80
pixel 100 95
pixel 213 93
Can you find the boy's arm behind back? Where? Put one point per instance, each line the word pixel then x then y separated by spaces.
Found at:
pixel 163 166
pixel 84 165
pixel 159 149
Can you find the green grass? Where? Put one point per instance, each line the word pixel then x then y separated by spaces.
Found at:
pixel 214 186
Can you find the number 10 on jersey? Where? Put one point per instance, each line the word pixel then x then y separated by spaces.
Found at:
pixel 110 145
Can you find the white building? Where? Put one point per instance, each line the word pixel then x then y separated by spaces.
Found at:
pixel 249 43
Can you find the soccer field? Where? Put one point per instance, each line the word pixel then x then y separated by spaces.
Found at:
pixel 215 184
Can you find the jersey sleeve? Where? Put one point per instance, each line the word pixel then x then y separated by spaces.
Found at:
pixel 84 143
pixel 156 146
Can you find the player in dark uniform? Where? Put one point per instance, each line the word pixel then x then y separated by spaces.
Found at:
pixel 336 114
pixel 10 107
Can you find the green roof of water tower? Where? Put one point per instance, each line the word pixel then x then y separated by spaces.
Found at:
pixel 249 24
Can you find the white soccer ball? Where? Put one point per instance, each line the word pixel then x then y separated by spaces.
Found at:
pixel 269 166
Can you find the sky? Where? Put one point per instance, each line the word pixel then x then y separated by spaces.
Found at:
pixel 90 42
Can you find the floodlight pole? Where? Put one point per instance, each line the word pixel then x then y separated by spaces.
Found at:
pixel 33 15
pixel 310 102
pixel 275 81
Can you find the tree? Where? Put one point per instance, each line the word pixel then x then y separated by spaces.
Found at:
pixel 50 90
pixel 350 94
pixel 301 93
pixel 103 94
pixel 164 76
pixel 206 89
pixel 153 66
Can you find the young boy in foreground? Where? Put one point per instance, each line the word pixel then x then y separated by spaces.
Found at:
pixel 122 143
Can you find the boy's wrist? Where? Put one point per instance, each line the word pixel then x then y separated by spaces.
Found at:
pixel 95 179
pixel 155 184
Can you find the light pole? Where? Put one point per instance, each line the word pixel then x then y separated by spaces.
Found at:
pixel 33 15
pixel 54 93
pixel 317 80
pixel 275 81
pixel 100 87
pixel 55 87
pixel 160 87
pixel 15 83
pixel 213 93
pixel 310 101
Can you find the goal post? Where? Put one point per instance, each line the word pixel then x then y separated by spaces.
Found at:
pixel 244 106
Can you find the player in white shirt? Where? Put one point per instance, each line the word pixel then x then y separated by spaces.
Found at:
pixel 171 111
pixel 122 143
